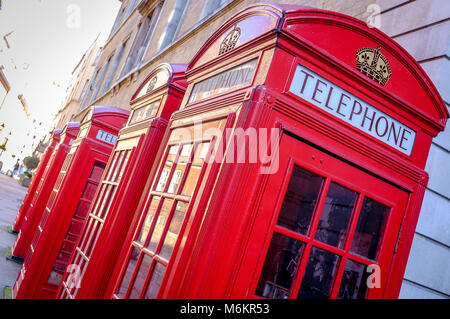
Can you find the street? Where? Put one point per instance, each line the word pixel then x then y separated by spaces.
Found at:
pixel 11 196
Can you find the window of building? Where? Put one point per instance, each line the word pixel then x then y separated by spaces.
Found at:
pixel 118 21
pixel 131 6
pixel 84 91
pixel 114 67
pixel 211 6
pixel 102 77
pixel 173 23
pixel 86 98
pixel 141 41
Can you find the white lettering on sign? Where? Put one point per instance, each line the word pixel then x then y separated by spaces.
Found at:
pixel 344 105
pixel 106 137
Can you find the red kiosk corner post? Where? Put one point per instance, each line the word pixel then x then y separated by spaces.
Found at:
pixel 127 172
pixel 306 175
pixel 66 210
pixel 56 136
pixel 43 191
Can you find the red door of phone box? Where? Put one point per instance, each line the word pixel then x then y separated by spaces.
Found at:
pixel 56 135
pixel 66 209
pixel 121 188
pixel 318 129
pixel 44 190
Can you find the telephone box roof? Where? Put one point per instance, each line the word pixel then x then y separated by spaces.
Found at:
pixel 334 38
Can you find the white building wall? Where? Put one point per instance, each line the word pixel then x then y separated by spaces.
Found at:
pixel 422 27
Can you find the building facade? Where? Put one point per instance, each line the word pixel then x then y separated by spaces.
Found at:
pixel 148 32
pixel 78 87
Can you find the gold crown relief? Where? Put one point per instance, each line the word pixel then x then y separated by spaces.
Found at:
pixel 230 40
pixel 372 63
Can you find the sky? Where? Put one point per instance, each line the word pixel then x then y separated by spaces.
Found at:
pixel 48 39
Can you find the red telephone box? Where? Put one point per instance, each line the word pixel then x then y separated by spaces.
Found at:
pixel 66 209
pixel 43 191
pixel 121 188
pixel 36 180
pixel 318 129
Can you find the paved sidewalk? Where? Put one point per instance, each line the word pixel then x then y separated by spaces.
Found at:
pixel 11 196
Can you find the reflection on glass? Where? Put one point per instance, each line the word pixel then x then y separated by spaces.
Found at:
pixel 175 181
pixel 280 267
pixel 195 169
pixel 300 200
pixel 370 228
pixel 174 230
pixel 163 178
pixel 112 166
pixel 319 274
pixel 117 167
pixel 160 223
pixel 128 273
pixel 139 281
pixel 336 214
pixel 148 220
pixel 104 209
pixel 157 277
pixel 354 281
pixel 185 153
pixel 144 112
pixel 123 166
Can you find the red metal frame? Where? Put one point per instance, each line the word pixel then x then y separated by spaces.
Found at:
pixel 36 180
pixel 66 209
pixel 107 224
pixel 43 190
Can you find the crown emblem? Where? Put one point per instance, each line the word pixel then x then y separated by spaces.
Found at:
pixel 230 40
pixel 151 84
pixel 372 63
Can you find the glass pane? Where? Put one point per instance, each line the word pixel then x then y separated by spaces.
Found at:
pixel 191 180
pixel 160 224
pixel 116 169
pixel 300 200
pixel 107 203
pixel 123 166
pixel 148 220
pixel 176 178
pixel 54 277
pixel 195 170
pixel 112 166
pixel 140 277
pixel 370 228
pixel 336 214
pixel 319 274
pixel 82 209
pixel 354 281
pixel 97 171
pixel 279 268
pixel 104 200
pixel 163 177
pixel 128 273
pixel 185 153
pixel 89 191
pixel 174 230
pixel 155 282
